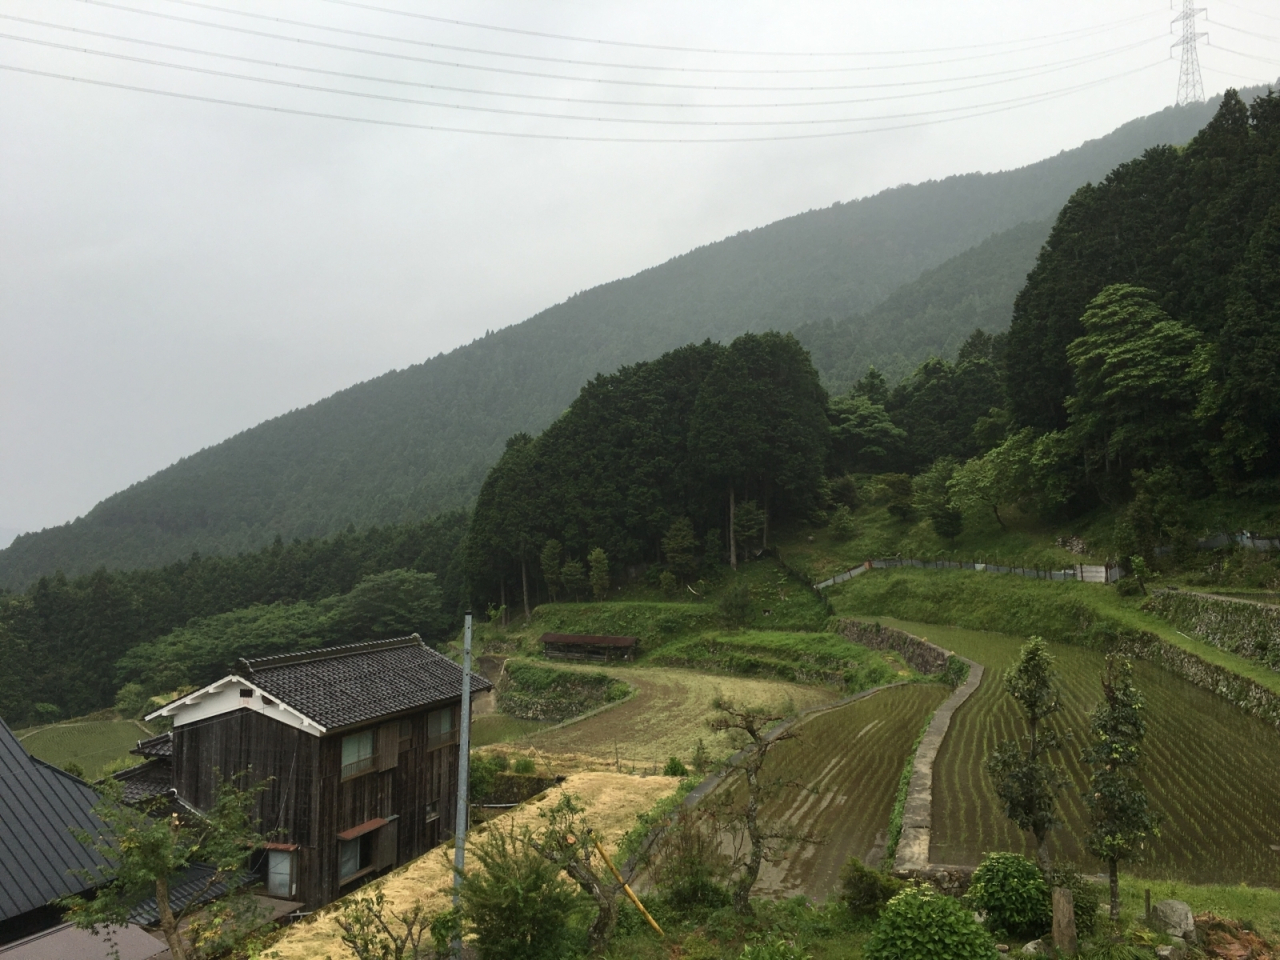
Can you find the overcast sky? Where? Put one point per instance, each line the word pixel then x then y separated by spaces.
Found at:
pixel 174 270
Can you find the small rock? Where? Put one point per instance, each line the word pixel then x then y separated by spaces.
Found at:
pixel 1174 951
pixel 1035 948
pixel 1174 918
pixel 1002 948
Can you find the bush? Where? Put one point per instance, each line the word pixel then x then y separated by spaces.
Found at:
pixel 842 527
pixel 865 891
pixel 1011 891
pixel 667 581
pixel 775 949
pixel 524 766
pixel 1085 895
pixel 735 604
pixel 675 768
pixel 921 924
pixel 686 865
pixel 1128 587
pixel 518 904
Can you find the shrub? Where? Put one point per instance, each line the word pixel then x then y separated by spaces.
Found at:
pixel 687 863
pixel 865 891
pixel 1085 895
pixel 1011 891
pixel 518 904
pixel 675 768
pixel 921 924
pixel 524 766
pixel 775 949
pixel 735 604
pixel 842 527
pixel 667 581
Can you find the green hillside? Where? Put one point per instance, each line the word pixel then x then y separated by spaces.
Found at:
pixel 419 440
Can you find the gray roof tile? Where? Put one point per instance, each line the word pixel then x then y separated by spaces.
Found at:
pixel 352 684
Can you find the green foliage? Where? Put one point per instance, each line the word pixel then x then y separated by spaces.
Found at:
pixel 680 546
pixel 1026 782
pixel 1012 892
pixel 932 498
pixel 132 700
pixel 865 891
pixel 774 948
pixel 921 924
pixel 551 560
pixel 1086 896
pixel 517 904
pixel 394 603
pixel 147 850
pixel 864 436
pixel 533 692
pixel 734 605
pixel 896 493
pixel 675 768
pixel 955 673
pixel 599 563
pixel 372 930
pixel 687 865
pixel 842 526
pixel 524 766
pixel 1248 629
pixel 483 769
pixel 574 577
pixel 701 758
pixel 900 799
pixel 668 584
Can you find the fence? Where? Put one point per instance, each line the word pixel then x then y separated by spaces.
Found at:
pixel 1086 572
pixel 1250 541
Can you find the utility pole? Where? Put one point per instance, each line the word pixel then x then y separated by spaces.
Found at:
pixel 462 818
pixel 1190 86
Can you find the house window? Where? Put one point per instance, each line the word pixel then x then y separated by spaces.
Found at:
pixel 406 734
pixel 433 811
pixel 357 754
pixel 440 727
pixel 354 856
pixel 245 693
pixel 281 871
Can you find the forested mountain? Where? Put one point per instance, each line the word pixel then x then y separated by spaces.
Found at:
pixel 419 440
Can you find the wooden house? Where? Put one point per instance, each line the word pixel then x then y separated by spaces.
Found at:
pixel 359 748
pixel 573 646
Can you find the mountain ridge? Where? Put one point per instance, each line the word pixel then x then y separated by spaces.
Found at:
pixel 418 440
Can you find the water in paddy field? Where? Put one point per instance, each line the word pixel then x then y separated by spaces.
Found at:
pixel 1211 770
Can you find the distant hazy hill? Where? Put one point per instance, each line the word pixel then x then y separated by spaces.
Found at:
pixel 418 440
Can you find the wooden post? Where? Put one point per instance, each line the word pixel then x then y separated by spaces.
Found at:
pixel 1064 921
pixel 1146 896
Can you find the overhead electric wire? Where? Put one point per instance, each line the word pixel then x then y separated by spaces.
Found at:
pixel 609 81
pixel 1025 73
pixel 388 38
pixel 472 108
pixel 524 135
pixel 1256 13
pixel 720 51
pixel 1247 33
pixel 1241 53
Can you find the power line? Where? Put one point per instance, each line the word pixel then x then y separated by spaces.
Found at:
pixel 1190 84
pixel 712 50
pixel 608 81
pixel 1247 33
pixel 471 108
pixel 1241 53
pixel 346 31
pixel 1024 74
pixel 1256 13
pixel 520 135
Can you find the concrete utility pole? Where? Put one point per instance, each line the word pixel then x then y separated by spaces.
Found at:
pixel 462 818
pixel 1190 86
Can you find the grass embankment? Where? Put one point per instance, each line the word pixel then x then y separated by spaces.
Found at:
pixel 93 745
pixel 1065 611
pixel 1212 770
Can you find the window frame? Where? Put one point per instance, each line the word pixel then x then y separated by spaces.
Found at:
pixel 361 765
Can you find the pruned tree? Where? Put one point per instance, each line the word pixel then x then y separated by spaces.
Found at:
pixel 574 577
pixel 373 930
pixel 680 547
pixel 1026 782
pixel 551 559
pixel 148 853
pixel 599 563
pixel 1119 810
pixel 739 813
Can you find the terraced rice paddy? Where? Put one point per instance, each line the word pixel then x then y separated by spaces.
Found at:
pixel 1213 771
pixel 848 762
pixel 91 743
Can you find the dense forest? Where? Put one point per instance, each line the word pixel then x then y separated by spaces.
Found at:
pixel 417 441
pixel 62 640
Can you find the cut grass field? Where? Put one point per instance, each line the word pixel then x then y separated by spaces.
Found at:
pixel 499 728
pixel 846 762
pixel 1212 770
pixel 93 744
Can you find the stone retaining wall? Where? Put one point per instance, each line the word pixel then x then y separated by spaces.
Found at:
pixel 920 654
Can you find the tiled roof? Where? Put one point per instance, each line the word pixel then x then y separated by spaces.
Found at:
pixel 343 686
pixel 586 640
pixel 161 746
pixel 38 803
pixel 146 780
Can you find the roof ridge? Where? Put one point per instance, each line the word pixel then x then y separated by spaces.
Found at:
pixel 328 653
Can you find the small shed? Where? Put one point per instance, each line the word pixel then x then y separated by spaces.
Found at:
pixel 572 646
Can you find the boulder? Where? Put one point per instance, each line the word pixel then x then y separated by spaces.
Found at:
pixel 1174 951
pixel 1036 948
pixel 1174 918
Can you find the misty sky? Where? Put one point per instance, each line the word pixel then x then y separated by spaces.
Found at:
pixel 173 271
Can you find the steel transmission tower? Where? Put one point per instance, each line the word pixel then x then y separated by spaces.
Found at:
pixel 1190 86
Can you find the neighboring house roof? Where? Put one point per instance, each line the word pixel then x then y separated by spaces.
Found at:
pixel 336 687
pixel 38 805
pixel 146 780
pixel 161 746
pixel 586 640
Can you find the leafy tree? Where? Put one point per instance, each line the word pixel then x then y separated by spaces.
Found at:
pixel 864 437
pixel 372 930
pixel 680 547
pixel 1135 383
pixel 686 862
pixel 754 841
pixel 148 852
pixel 517 903
pixel 748 523
pixel 842 525
pixel 551 559
pixel 932 498
pixel 574 577
pixel 1026 782
pixel 1119 810
pixel 599 563
pixel 391 604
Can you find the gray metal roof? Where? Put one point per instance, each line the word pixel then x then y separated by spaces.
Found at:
pixel 38 803
pixel 347 685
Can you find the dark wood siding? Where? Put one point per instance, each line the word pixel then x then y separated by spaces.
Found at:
pixel 309 802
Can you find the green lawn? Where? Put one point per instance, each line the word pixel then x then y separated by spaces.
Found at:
pixel 500 728
pixel 92 744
